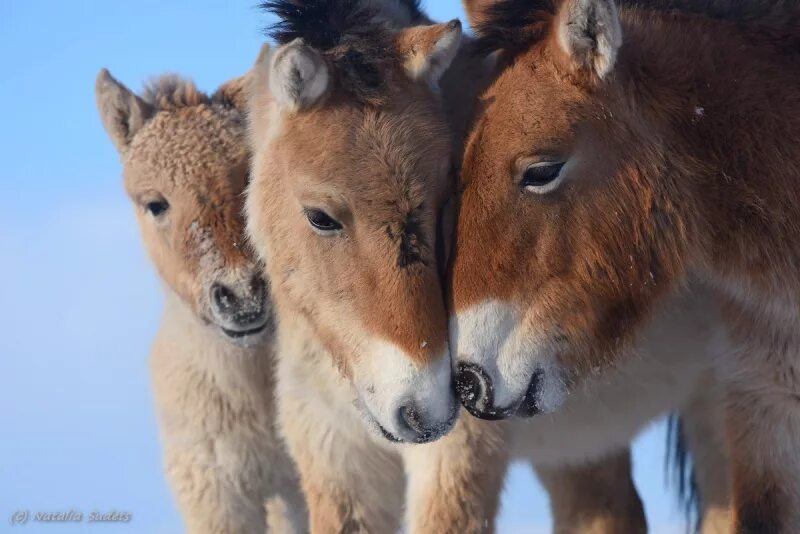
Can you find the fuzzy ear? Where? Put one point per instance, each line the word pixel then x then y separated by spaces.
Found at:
pixel 235 93
pixel 588 31
pixel 427 51
pixel 298 75
pixel 121 111
pixel 476 10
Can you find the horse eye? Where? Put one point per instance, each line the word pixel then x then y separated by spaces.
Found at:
pixel 321 221
pixel 157 207
pixel 542 177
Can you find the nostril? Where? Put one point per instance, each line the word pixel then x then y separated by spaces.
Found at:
pixel 258 288
pixel 473 387
pixel 224 299
pixel 410 416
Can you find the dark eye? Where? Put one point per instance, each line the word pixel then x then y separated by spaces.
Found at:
pixel 157 207
pixel 542 177
pixel 321 221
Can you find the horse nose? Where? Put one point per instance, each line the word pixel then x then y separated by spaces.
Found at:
pixel 240 305
pixel 414 419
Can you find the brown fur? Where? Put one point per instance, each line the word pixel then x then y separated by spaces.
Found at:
pixel 453 484
pixel 596 498
pixel 703 426
pixel 185 127
pixel 477 10
pixel 379 166
pixel 222 455
pixel 686 166
pixel 363 171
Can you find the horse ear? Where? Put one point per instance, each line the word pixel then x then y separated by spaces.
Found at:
pixel 428 51
pixel 122 112
pixel 297 75
pixel 476 10
pixel 588 31
pixel 235 93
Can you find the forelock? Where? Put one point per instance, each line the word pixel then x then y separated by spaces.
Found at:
pixel 356 46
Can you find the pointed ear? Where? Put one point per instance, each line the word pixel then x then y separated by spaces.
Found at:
pixel 476 10
pixel 235 93
pixel 122 112
pixel 298 76
pixel 588 31
pixel 427 51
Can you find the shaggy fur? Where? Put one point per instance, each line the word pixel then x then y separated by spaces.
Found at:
pixel 222 455
pixel 379 167
pixel 676 168
pixel 372 167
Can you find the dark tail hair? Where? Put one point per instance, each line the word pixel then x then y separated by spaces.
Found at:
pixel 680 474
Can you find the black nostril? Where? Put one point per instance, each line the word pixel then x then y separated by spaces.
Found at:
pixel 411 417
pixel 224 299
pixel 258 288
pixel 474 389
pixel 530 404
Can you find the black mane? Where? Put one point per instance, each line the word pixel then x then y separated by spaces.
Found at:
pixel 414 7
pixel 356 46
pixel 514 25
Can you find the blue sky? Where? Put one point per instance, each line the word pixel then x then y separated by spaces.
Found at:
pixel 80 303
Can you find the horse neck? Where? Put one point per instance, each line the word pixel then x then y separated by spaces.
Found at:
pixel 188 341
pixel 723 100
pixel 305 364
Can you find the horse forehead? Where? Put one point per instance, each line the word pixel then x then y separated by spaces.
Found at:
pixel 367 160
pixel 188 144
pixel 399 128
pixel 532 89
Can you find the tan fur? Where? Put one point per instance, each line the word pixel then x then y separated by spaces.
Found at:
pixel 319 154
pixel 580 500
pixel 222 456
pixel 678 167
pixel 355 482
pixel 703 425
pixel 382 172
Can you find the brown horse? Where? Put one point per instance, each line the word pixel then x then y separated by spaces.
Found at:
pixel 351 157
pixel 618 155
pixel 185 164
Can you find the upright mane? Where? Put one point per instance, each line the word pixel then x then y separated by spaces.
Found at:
pixel 354 43
pixel 514 25
pixel 170 92
pixel 414 9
